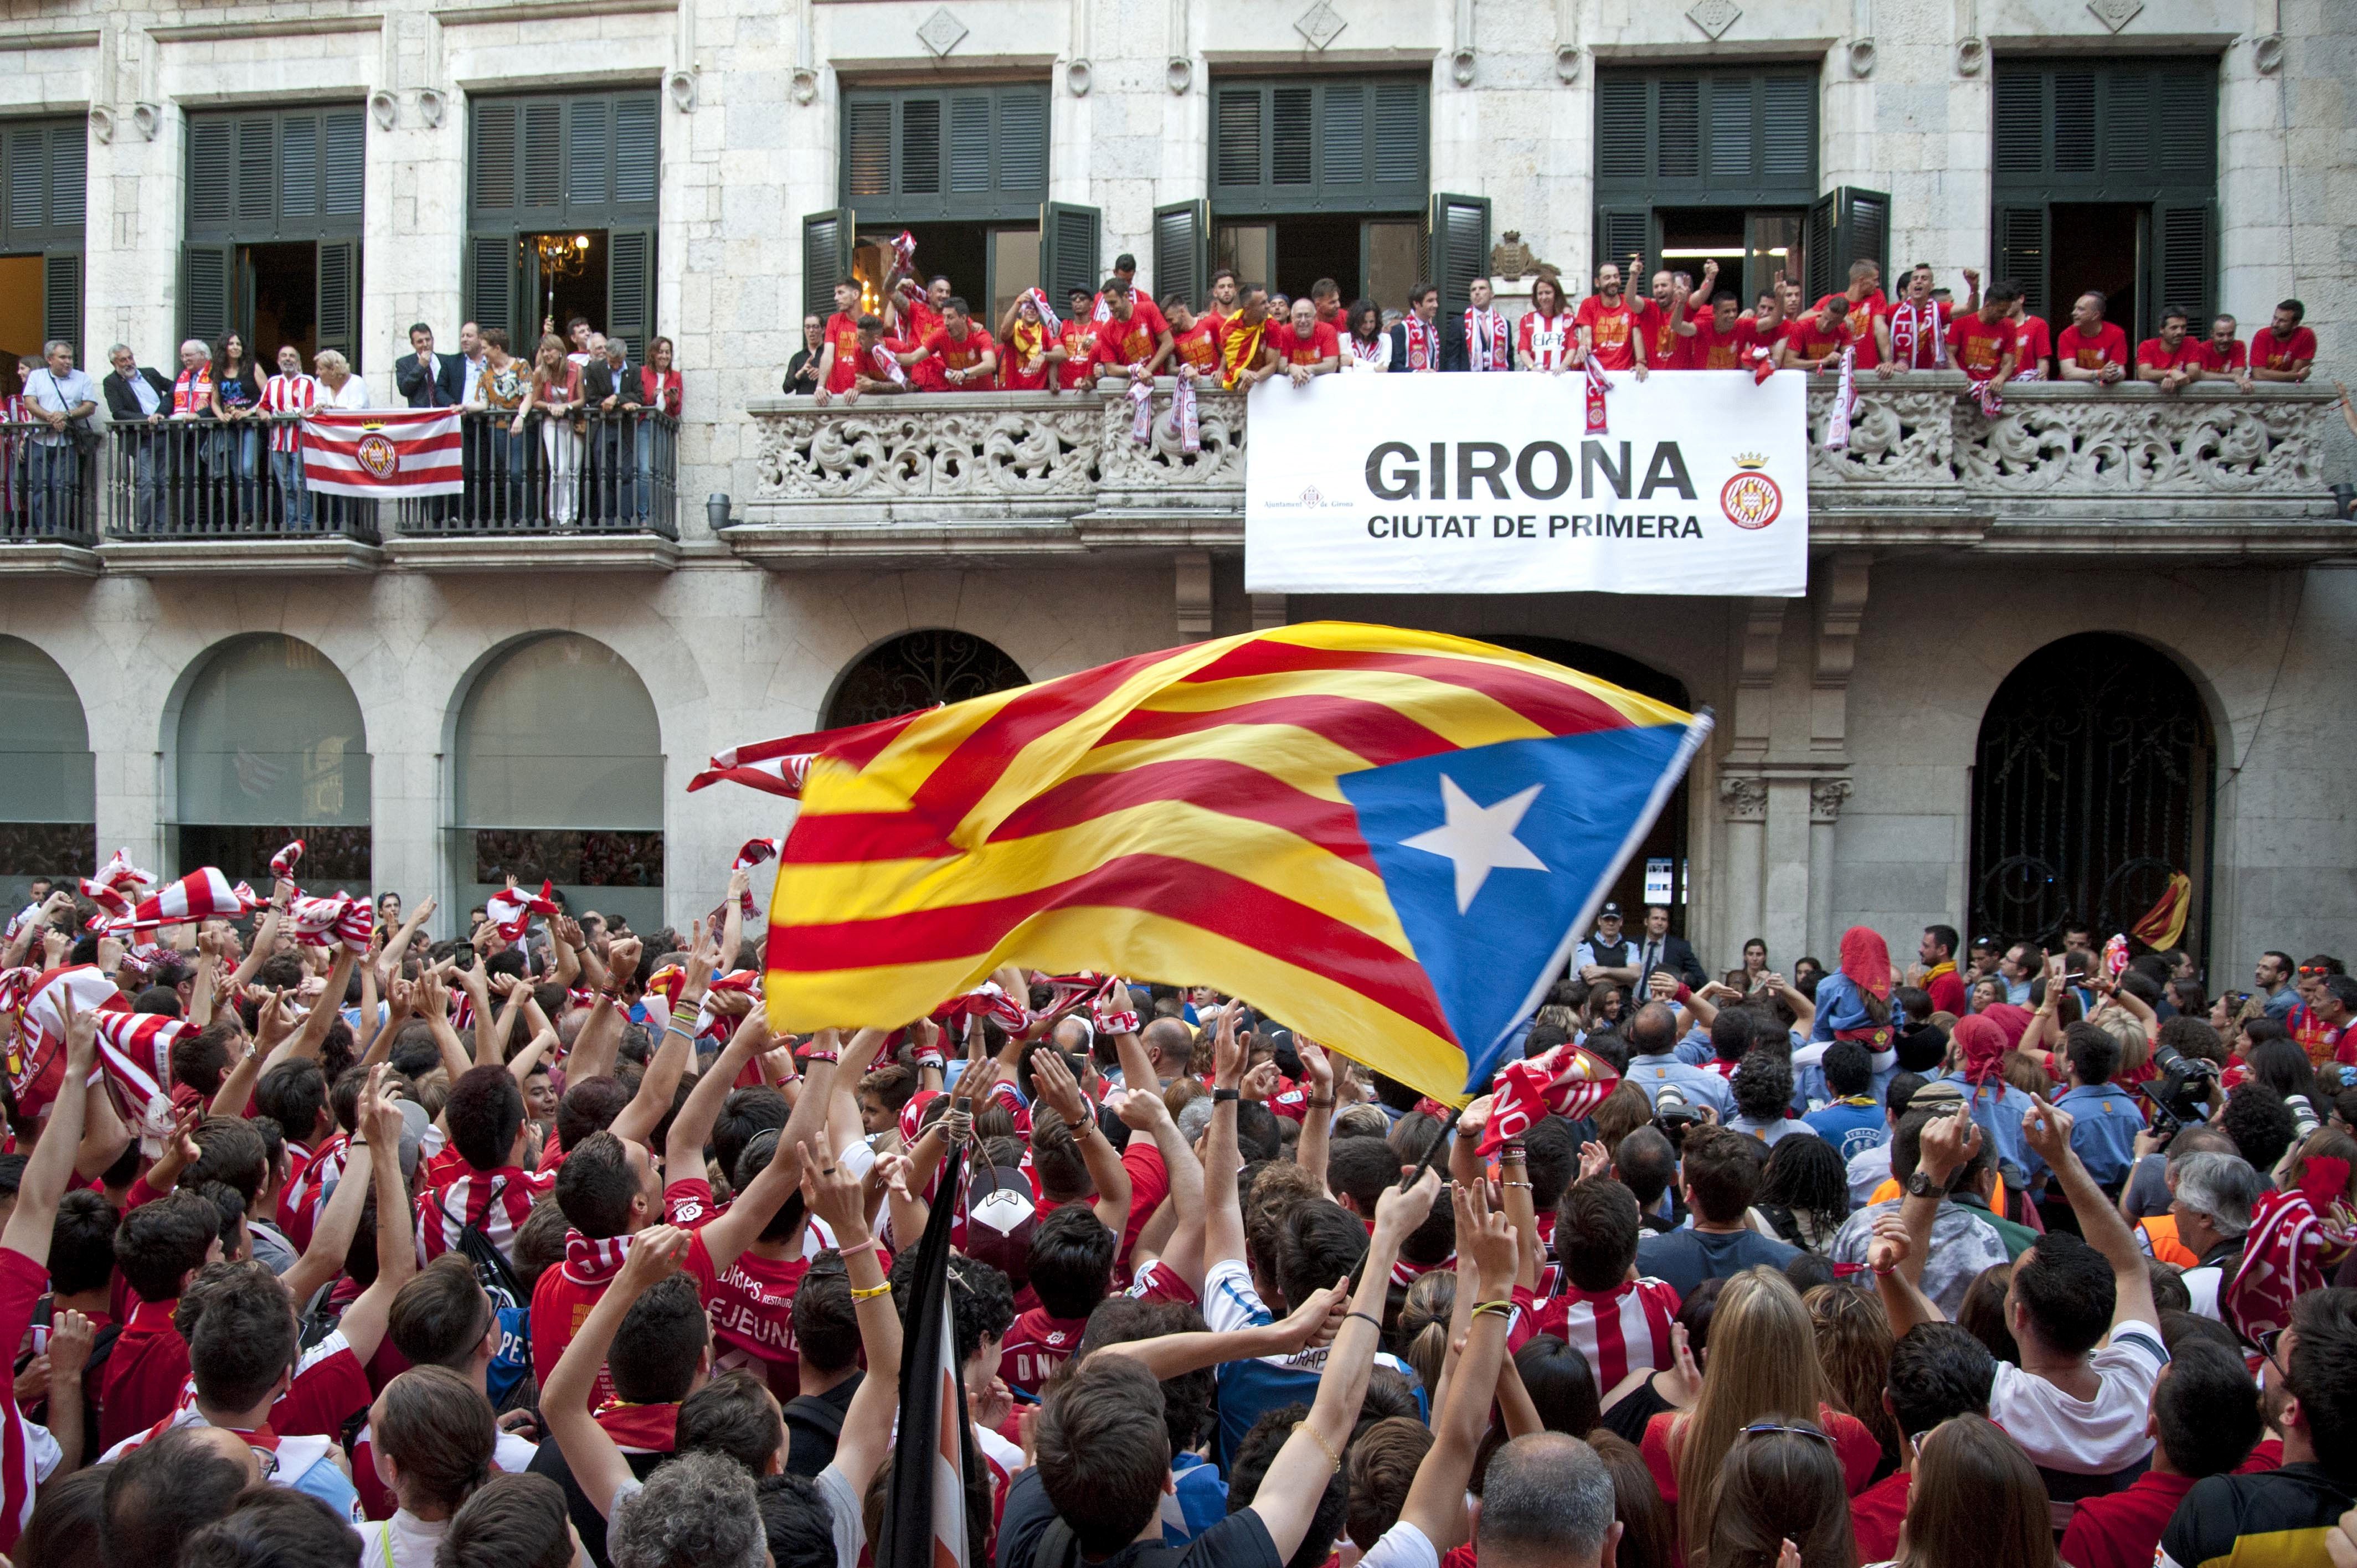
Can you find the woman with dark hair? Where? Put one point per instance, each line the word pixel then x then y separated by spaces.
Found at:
pixel 1560 1384
pixel 1366 346
pixel 1977 1502
pixel 1753 975
pixel 2284 1066
pixel 1806 973
pixel 1648 1533
pixel 237 398
pixel 1606 1004
pixel 1805 1191
pixel 1982 1312
pixel 1549 340
pixel 1781 1482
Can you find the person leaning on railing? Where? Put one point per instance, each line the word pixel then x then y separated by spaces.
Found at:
pixel 500 395
pixel 62 397
pixel 136 395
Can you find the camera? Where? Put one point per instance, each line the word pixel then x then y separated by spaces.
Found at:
pixel 2178 1090
pixel 1674 1114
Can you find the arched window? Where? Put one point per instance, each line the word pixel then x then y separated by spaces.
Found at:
pixel 558 778
pixel 2090 785
pixel 47 777
pixel 1657 874
pixel 270 746
pixel 919 669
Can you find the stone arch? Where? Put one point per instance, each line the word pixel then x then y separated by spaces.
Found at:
pixel 48 791
pixel 917 670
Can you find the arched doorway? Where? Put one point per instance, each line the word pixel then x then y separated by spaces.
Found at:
pixel 557 776
pixel 269 746
pixel 2091 784
pixel 1663 855
pixel 49 793
pixel 919 669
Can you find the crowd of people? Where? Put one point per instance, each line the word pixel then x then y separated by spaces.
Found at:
pixel 924 337
pixel 559 435
pixel 538 1246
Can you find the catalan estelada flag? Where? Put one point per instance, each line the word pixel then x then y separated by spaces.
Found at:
pixel 1386 840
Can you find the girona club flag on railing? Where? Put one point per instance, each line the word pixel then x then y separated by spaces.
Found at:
pixel 372 454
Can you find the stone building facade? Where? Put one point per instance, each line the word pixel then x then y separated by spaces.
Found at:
pixel 449 703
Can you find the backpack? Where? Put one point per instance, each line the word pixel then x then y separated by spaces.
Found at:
pixel 492 1271
pixel 815 1412
pixel 1060 1547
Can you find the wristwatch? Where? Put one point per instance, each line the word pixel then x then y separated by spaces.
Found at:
pixel 1919 1183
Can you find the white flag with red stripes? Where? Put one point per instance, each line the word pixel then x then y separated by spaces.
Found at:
pixel 371 453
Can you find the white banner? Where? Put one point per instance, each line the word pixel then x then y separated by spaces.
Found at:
pixel 1490 484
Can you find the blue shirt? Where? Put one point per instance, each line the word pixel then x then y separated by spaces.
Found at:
pixel 1196 1500
pixel 1700 1085
pixel 1999 1107
pixel 1851 1126
pixel 1686 1258
pixel 2103 1130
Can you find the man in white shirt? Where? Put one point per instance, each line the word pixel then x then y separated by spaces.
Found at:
pixel 63 398
pixel 286 398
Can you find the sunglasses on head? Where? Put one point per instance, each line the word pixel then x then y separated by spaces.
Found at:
pixel 2314 968
pixel 1760 1427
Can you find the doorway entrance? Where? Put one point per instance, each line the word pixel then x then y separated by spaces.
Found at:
pixel 564 276
pixel 20 311
pixel 1367 258
pixel 1751 246
pixel 988 266
pixel 281 298
pixel 2100 245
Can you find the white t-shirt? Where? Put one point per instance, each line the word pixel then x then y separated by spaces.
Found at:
pixel 1402 1546
pixel 2085 1437
pixel 404 1541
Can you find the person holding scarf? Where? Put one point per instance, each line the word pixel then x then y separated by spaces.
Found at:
pixel 1547 339
pixel 1366 346
pixel 1487 343
pixel 1415 342
pixel 1917 328
pixel 1245 353
pixel 1034 349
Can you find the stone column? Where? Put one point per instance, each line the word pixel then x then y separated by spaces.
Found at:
pixel 1825 797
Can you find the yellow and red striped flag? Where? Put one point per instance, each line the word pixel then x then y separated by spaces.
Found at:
pixel 1384 839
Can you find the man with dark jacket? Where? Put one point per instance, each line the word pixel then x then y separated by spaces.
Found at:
pixel 426 379
pixel 138 395
pixel 614 391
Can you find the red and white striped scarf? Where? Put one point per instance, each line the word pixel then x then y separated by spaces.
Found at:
pixel 1184 416
pixel 594 1263
pixel 1419 336
pixel 339 919
pixel 1547 339
pixel 283 394
pixel 197 895
pixel 1369 351
pixel 1907 322
pixel 1599 383
pixel 1485 340
pixel 1845 402
pixel 888 365
pixel 511 910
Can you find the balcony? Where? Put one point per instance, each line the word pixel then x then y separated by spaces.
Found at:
pixel 49 511
pixel 198 498
pixel 2066 469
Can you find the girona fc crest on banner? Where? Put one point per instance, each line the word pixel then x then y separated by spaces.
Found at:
pixel 1751 500
pixel 377 455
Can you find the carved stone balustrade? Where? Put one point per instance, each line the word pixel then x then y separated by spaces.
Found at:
pixel 2064 470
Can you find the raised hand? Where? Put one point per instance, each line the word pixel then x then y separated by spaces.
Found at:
pixel 654 1253
pixel 2046 1128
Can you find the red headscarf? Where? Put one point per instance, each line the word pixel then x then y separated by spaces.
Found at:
pixel 1982 1040
pixel 1865 959
pixel 2015 1021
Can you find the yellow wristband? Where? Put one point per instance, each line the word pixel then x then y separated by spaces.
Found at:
pixel 872 1292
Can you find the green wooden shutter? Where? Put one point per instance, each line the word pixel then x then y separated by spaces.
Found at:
pixel 1736 135
pixel 1069 240
pixel 2184 263
pixel 1817 269
pixel 492 135
pixel 1850 224
pixel 540 150
pixel 1401 139
pixel 827 241
pixel 1677 128
pixel 288 175
pixel 1460 248
pixel 1344 145
pixel 1624 130
pixel 1239 142
pixel 212 176
pixel 299 167
pixel 921 155
pixel 338 272
pixel 2020 141
pixel 1622 232
pixel 343 173
pixel 61 298
pixel 207 272
pixel 1021 152
pixel 1181 252
pixel 638 150
pixel 867 148
pixel 630 287
pixel 2023 251
pixel 255 173
pixel 491 290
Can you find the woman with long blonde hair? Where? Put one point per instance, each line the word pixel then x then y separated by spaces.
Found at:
pixel 1763 1359
pixel 1977 1502
pixel 555 392
pixel 1854 1346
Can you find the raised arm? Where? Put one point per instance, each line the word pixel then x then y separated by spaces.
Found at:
pixel 363 1323
pixel 1436 1499
pixel 664 1070
pixel 1318 1119
pixel 43 1181
pixel 1168 1356
pixel 595 1460
pixel 835 1195
pixel 1060 1095
pixel 308 1040
pixel 1223 1219
pixel 339 1217
pixel 2047 1130
pixel 1142 1110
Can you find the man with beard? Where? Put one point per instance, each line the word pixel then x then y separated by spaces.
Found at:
pixel 1609 328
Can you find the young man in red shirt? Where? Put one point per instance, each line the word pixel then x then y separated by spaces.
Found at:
pixel 2092 349
pixel 2032 341
pixel 912 318
pixel 2205 1418
pixel 1327 296
pixel 2170 362
pixel 1194 340
pixel 1866 306
pixel 1224 303
pixel 1306 347
pixel 1133 339
pixel 1669 334
pixel 838 360
pixel 1032 352
pixel 1609 328
pixel 1722 339
pixel 2223 354
pixel 1071 1270
pixel 968 359
pixel 2284 350
pixel 1914 328
pixel 158 1247
pixel 1080 334
pixel 1982 341
pixel 1815 341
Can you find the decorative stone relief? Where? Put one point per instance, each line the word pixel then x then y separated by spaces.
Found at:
pixel 1180 74
pixel 1078 77
pixel 1972 54
pixel 1714 16
pixel 147 119
pixel 681 85
pixel 1861 56
pixel 940 32
pixel 101 124
pixel 1164 462
pixel 805 85
pixel 385 109
pixel 1896 438
pixel 1745 795
pixel 900 448
pixel 1566 62
pixel 431 106
pixel 2168 448
pixel 2115 13
pixel 2267 53
pixel 1825 798
pixel 1321 25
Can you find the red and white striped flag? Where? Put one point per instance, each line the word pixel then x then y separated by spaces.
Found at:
pixel 372 453
pixel 199 896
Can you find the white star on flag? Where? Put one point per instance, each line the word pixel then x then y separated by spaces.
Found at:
pixel 1479 839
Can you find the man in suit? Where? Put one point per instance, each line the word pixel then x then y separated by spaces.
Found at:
pixel 1657 949
pixel 613 389
pixel 426 379
pixel 138 395
pixel 1416 341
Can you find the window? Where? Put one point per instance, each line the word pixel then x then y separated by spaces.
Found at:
pixel 557 776
pixel 562 212
pixel 1694 167
pixel 269 747
pixel 1317 179
pixel 963 171
pixel 2105 177
pixel 42 193
pixel 49 791
pixel 919 670
pixel 272 248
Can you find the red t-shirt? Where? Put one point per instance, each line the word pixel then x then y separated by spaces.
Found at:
pixel 2154 354
pixel 1861 322
pixel 1078 369
pixel 325 1394
pixel 2108 346
pixel 2220 361
pixel 1027 343
pixel 1149 1183
pixel 2269 352
pixel 1199 345
pixel 1665 349
pixel 2121 1529
pixel 1610 328
pixel 22 1280
pixel 916 321
pixel 960 354
pixel 1853 1444
pixel 1122 344
pixel 2034 345
pixel 1875 303
pixel 1320 343
pixel 145 1374
pixel 560 1303
pixel 1813 338
pixel 843 331
pixel 1036 1343
pixel 1947 993
pixel 1978 347
pixel 1875 1514
pixel 752 1308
